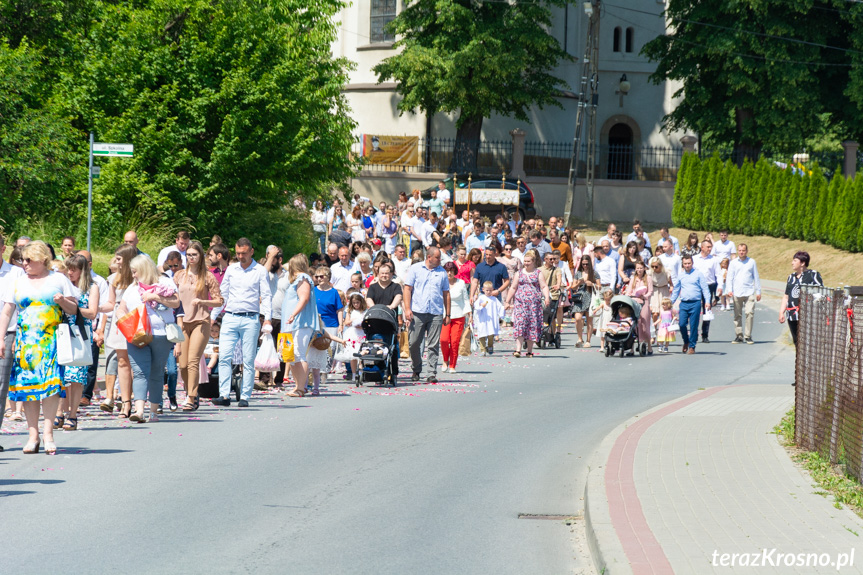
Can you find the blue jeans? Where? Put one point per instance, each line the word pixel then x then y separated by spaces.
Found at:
pixel 148 368
pixel 322 240
pixel 171 370
pixel 245 328
pixel 690 313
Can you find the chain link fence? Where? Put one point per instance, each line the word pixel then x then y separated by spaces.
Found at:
pixel 829 376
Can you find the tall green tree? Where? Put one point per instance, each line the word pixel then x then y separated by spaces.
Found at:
pixel 234 108
pixel 684 175
pixel 474 59
pixel 38 160
pixel 758 74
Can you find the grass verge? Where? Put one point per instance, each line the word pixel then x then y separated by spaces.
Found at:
pixel 837 267
pixel 831 479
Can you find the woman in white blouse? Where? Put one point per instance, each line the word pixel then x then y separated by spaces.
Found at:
pixel 459 310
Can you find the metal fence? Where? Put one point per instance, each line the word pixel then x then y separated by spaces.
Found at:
pixel 829 376
pixel 830 161
pixel 541 159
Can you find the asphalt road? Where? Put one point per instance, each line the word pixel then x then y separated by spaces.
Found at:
pixel 421 479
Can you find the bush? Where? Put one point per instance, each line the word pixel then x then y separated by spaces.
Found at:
pixel 763 199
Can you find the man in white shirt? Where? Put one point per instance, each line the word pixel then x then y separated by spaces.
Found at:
pixel 670 261
pixel 520 248
pixel 246 290
pixel 724 248
pixel 610 229
pixel 443 194
pixel 708 265
pixel 638 233
pixel 666 236
pixel 605 266
pixel 417 229
pixel 463 221
pixel 180 245
pixel 744 287
pixel 401 261
pixel 341 271
pixel 8 274
pixel 430 233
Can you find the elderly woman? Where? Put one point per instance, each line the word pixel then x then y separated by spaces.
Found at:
pixel 158 296
pixel 299 318
pixel 529 293
pixel 640 289
pixel 40 297
pixel 75 377
pixel 364 261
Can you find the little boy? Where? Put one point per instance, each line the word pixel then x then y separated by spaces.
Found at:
pixel 488 311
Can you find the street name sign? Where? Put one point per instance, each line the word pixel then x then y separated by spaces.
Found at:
pixel 113 150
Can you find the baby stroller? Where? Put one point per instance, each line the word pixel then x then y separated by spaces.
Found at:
pixel 626 341
pixel 550 336
pixel 376 359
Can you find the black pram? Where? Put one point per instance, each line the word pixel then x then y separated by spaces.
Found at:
pixel 376 359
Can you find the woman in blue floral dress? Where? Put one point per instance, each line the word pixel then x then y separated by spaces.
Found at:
pixel 41 297
pixel 75 377
pixel 529 290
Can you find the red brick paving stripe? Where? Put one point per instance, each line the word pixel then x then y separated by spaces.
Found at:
pixel 643 551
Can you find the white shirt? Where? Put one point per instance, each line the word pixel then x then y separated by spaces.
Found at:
pixel 724 250
pixel 444 195
pixel 674 243
pixel 8 275
pixel 672 266
pixel 104 293
pixel 247 290
pixel 417 228
pixel 708 266
pixel 340 276
pixel 163 255
pixel 607 271
pixel 567 273
pixel 278 295
pixel 402 266
pixel 517 253
pixel 743 280
pixel 444 258
pixel 427 230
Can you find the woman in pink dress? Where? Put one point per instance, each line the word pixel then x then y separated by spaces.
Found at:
pixel 640 288
pixel 530 293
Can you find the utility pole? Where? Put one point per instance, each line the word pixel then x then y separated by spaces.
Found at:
pixel 588 98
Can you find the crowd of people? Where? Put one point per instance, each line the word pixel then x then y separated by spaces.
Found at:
pixel 451 279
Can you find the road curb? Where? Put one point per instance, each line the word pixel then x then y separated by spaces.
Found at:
pixel 605 547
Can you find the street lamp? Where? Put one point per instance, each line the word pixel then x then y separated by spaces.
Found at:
pixel 623 87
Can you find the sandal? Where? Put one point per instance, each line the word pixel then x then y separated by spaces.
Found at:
pixel 70 425
pixel 516 354
pixel 7 414
pixel 191 404
pixel 107 406
pixel 296 393
pixel 528 355
pixel 58 422
pixel 50 448
pixel 123 413
pixel 31 447
pixel 17 416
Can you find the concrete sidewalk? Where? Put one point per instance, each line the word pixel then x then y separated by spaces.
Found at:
pixel 675 488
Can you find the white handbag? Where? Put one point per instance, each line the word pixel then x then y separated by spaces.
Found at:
pixel 73 344
pixel 707 316
pixel 174 333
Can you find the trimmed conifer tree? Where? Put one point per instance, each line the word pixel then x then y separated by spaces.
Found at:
pixel 680 190
pixel 827 211
pixel 809 210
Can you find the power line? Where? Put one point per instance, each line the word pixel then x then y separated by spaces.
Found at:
pixel 753 56
pixel 751 32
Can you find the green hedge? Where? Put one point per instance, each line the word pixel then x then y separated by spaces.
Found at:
pixel 762 199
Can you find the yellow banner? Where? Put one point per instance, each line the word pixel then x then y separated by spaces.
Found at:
pixel 487 196
pixel 391 150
